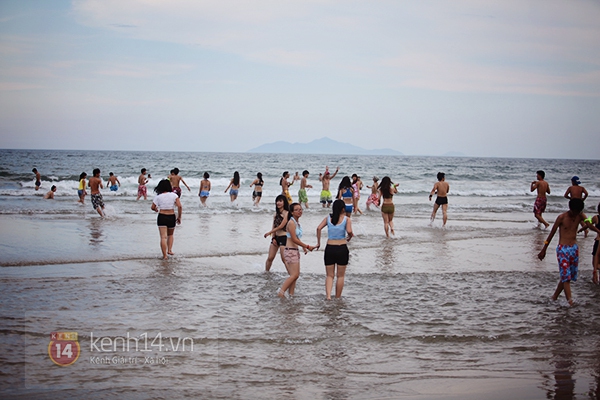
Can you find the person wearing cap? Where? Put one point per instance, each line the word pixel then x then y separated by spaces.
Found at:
pixel 575 191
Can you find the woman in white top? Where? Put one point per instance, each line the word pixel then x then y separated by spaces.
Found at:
pixel 164 203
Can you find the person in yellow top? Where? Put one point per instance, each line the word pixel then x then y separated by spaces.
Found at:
pixel 82 185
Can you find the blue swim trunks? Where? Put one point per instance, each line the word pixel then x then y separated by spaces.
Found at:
pixel 114 188
pixel 204 193
pixel 568 262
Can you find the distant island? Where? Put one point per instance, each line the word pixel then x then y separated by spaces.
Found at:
pixel 321 146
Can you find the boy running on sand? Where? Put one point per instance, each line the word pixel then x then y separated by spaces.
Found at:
pixel 442 188
pixel 113 182
pixel 175 180
pixel 142 180
pixel 567 251
pixel 95 186
pixel 542 188
pixel 302 197
pixel 325 179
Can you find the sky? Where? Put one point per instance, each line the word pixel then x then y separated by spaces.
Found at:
pixel 507 78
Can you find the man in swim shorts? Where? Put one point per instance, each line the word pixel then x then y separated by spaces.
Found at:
pixel 326 198
pixel 142 180
pixel 113 182
pixel 38 179
pixel 567 251
pixel 302 196
pixel 175 182
pixel 95 186
pixel 441 188
pixel 542 188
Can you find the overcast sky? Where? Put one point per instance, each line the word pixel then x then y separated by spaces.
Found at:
pixel 485 78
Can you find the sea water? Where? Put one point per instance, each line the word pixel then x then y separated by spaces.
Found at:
pixel 461 312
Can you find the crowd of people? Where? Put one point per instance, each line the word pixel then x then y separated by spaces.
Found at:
pixel 286 234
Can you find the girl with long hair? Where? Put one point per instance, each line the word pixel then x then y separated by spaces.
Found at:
pixel 278 233
pixel 164 204
pixel 257 193
pixel 386 192
pixel 339 232
pixel 346 193
pixel 234 185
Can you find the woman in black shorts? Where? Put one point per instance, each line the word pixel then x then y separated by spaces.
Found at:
pixel 339 232
pixel 278 232
pixel 164 203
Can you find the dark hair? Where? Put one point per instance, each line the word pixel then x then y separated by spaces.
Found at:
pixel 110 174
pixel 598 208
pixel 386 187
pixel 286 207
pixel 143 170
pixel 236 178
pixel 206 175
pixel 576 205
pixel 53 187
pixel 175 171
pixel 34 170
pixel 293 207
pixel 541 173
pixel 345 183
pixel 260 179
pixel 96 171
pixel 354 176
pixel 441 176
pixel 82 175
pixel 305 172
pixel 283 176
pixel 338 208
pixel 163 187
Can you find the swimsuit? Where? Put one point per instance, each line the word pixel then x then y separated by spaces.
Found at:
pixel 540 205
pixel 291 255
pixel 326 197
pixel 279 240
pixel 298 229
pixel 142 191
pixel 204 193
pixel 288 196
pixel 256 194
pixel 347 193
pixel 38 183
pixel 233 192
pixel 97 201
pixel 388 209
pixel 356 191
pixel 568 262
pixel 302 197
pixel 114 188
pixel 81 192
pixel 440 201
pixel 177 191
pixel 349 208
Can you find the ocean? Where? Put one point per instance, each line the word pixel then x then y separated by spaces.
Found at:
pixel 457 313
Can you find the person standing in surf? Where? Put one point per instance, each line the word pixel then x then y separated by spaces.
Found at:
pixel 176 180
pixel 339 232
pixel 278 233
pixel 204 189
pixel 386 192
pixel 95 186
pixel 374 197
pixel 326 199
pixel 291 252
pixel 257 192
pixel 285 186
pixel 543 189
pixel 142 181
pixel 302 196
pixel 164 204
pixel 234 185
pixel 441 188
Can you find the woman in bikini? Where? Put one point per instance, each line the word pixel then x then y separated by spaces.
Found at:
pixel 278 234
pixel 346 193
pixel 234 185
pixel 257 193
pixel 356 186
pixel 291 251
pixel 386 191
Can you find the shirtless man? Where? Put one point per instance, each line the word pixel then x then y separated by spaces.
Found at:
pixel 142 180
pixel 175 180
pixel 575 191
pixel 204 189
pixel 540 202
pixel 50 194
pixel 567 251
pixel 95 186
pixel 38 179
pixel 326 180
pixel 442 188
pixel 302 197
pixel 113 182
pixel 285 186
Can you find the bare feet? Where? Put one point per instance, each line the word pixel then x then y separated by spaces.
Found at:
pixel 170 253
pixel 280 293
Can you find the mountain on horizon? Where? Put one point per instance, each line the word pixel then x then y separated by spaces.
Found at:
pixel 324 145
